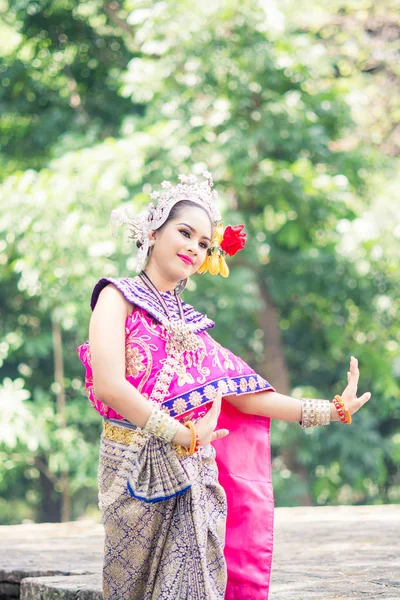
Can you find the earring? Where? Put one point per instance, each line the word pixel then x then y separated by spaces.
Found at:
pixel 181 286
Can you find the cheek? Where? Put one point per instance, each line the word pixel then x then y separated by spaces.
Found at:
pixel 201 255
pixel 178 241
pixel 171 242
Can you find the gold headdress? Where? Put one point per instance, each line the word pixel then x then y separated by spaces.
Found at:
pixel 156 215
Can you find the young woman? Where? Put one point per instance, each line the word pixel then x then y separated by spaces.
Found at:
pixel 184 519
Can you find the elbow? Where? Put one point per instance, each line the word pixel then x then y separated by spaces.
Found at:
pixel 107 392
pixel 239 402
pixel 101 394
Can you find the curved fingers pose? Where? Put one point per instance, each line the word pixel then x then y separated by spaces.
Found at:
pixel 205 427
pixel 349 396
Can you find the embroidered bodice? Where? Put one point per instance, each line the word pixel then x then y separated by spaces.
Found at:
pixel 183 383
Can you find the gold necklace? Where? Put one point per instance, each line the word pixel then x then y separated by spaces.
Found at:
pixel 180 337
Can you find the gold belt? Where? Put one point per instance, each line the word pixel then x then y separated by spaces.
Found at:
pixel 122 435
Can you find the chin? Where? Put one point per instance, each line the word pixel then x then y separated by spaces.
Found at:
pixel 185 270
pixel 177 276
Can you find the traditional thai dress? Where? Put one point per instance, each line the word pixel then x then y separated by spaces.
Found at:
pixel 193 528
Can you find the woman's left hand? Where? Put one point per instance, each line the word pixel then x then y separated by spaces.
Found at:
pixel 349 396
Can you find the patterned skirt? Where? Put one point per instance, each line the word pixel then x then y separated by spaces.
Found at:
pixel 170 549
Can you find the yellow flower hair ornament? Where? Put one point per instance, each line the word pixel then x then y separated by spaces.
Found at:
pixel 223 242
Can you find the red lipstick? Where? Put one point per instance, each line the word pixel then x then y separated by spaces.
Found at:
pixel 186 259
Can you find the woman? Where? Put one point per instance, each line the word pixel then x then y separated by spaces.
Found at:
pixel 184 519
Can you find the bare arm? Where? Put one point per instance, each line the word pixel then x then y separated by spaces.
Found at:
pixel 107 344
pixel 286 408
pixel 273 405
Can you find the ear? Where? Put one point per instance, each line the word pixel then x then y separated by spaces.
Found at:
pixel 152 238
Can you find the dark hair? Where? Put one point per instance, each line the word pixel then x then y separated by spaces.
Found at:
pixel 175 211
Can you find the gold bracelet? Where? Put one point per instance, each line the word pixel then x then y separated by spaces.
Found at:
pixel 182 451
pixel 161 425
pixel 194 443
pixel 315 413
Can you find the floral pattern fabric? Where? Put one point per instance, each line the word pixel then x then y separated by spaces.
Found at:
pixel 170 550
pixel 194 382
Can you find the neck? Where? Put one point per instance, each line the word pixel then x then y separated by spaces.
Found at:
pixel 159 280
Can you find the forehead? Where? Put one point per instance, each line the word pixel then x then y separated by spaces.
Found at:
pixel 195 217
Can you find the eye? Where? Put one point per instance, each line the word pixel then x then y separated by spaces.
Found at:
pixel 186 233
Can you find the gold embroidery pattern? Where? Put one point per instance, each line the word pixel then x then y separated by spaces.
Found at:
pixel 252 384
pixel 223 358
pixel 232 385
pixel 175 363
pixel 133 361
pixel 210 392
pixel 138 352
pixel 167 550
pixel 223 386
pixel 179 406
pixel 187 402
pixel 123 435
pixel 260 381
pixel 243 385
pixel 194 399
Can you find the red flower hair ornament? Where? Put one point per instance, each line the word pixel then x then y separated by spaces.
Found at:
pixel 234 239
pixel 225 242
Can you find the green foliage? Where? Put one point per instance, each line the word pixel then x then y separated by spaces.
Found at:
pixel 59 80
pixel 101 102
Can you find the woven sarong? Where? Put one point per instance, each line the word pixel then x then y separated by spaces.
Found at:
pixel 162 550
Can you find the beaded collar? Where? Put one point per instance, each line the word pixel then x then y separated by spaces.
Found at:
pixel 138 294
pixel 150 285
pixel 180 337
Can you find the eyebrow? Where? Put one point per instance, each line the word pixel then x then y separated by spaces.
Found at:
pixel 192 229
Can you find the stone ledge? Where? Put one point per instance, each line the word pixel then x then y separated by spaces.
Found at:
pixel 74 587
pixel 321 553
pixel 38 550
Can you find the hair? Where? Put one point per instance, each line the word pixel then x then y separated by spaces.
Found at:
pixel 175 211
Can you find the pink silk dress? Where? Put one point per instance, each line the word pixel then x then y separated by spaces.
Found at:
pixel 186 392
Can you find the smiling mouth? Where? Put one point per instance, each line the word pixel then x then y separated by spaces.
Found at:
pixel 186 259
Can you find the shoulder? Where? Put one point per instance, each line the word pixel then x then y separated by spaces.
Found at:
pixel 124 288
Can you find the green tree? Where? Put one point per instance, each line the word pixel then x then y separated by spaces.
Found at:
pixel 60 67
pixel 247 93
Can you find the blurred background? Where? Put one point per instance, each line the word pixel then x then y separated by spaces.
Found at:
pixel 294 106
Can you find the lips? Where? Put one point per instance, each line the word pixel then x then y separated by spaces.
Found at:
pixel 186 259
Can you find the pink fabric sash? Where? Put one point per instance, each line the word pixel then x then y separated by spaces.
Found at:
pixel 244 464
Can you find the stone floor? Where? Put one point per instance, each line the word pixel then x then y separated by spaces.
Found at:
pixel 329 553
pixel 323 553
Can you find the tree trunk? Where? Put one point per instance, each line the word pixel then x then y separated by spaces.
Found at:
pixel 276 372
pixel 49 511
pixel 61 413
pixel 274 368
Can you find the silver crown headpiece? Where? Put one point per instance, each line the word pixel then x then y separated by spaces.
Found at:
pixel 155 215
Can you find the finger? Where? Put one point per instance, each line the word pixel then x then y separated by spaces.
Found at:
pixel 220 433
pixel 364 398
pixel 216 405
pixel 354 375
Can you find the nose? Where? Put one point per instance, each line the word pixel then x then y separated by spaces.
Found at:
pixel 191 248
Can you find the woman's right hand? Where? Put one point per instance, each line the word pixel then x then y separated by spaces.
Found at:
pixel 205 427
